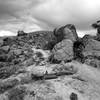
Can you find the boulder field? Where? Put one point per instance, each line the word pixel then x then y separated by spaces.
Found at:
pixel 50 65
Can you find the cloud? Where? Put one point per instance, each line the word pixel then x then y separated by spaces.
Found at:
pixel 32 15
pixel 20 24
pixel 81 33
pixel 10 8
pixel 79 12
pixel 15 15
pixel 6 33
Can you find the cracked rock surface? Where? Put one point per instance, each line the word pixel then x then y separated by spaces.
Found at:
pixel 27 72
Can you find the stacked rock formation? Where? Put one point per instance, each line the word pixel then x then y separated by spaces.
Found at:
pixel 66 35
pixel 70 46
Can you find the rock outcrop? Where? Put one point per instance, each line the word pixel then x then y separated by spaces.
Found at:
pixel 40 39
pixel 19 48
pixel 63 51
pixel 92 48
pixel 66 32
pixel 96 25
pixel 26 71
pixel 21 33
pixel 87 50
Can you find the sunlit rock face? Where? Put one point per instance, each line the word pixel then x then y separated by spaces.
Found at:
pixel 66 32
pixel 77 83
pixel 91 52
pixel 63 51
pixel 92 47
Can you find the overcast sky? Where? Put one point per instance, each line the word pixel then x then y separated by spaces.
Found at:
pixel 33 15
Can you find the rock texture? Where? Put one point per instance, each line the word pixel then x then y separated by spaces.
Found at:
pixel 92 61
pixel 96 25
pixel 27 73
pixel 79 85
pixel 66 32
pixel 91 52
pixel 92 47
pixel 63 51
pixel 18 49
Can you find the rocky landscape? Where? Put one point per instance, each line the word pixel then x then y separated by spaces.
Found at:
pixel 50 65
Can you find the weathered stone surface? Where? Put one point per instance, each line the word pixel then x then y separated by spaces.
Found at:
pixel 28 62
pixel 6 72
pixel 8 40
pixel 63 51
pixel 92 47
pixel 86 38
pixel 5 48
pixel 17 51
pixel 88 49
pixel 6 85
pixel 92 61
pixel 16 94
pixel 3 58
pixel 66 32
pixel 1 41
pixel 40 39
pixel 21 33
pixel 96 25
pixel 24 76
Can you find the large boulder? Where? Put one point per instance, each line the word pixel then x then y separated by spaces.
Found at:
pixel 21 33
pixel 85 48
pixel 91 51
pixel 92 47
pixel 96 25
pixel 5 48
pixel 63 51
pixel 66 32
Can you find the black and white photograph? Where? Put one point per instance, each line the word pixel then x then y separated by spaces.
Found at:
pixel 49 49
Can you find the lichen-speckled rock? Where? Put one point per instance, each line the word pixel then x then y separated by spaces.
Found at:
pixel 63 51
pixel 66 32
pixel 92 47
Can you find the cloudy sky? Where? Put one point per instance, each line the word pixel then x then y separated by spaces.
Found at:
pixel 33 15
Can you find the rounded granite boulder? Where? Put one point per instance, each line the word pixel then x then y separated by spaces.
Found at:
pixel 66 32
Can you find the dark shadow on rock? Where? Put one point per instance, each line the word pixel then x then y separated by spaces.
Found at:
pixel 77 48
pixel 73 96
